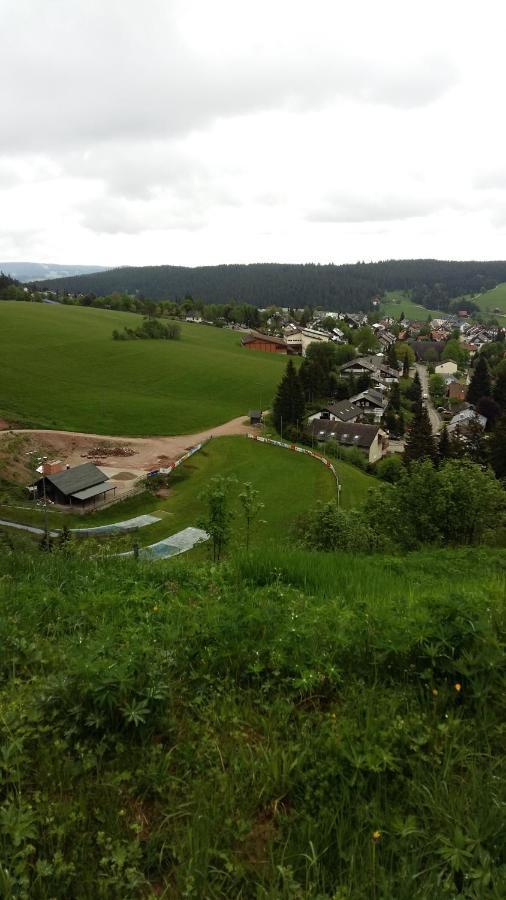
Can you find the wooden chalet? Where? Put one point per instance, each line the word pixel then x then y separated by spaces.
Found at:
pixel 255 340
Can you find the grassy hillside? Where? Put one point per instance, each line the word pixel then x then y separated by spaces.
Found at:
pixel 257 731
pixel 397 302
pixel 288 484
pixel 60 368
pixel 491 300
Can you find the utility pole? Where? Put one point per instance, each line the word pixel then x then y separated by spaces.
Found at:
pixel 42 460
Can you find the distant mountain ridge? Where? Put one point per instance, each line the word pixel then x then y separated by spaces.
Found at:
pixel 29 271
pixel 347 287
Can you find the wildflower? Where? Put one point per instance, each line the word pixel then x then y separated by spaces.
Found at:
pixel 434 692
pixel 458 687
pixel 156 608
pixel 376 835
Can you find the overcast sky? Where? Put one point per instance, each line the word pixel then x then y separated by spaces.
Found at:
pixel 196 132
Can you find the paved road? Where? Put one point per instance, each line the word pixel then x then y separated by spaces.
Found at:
pixel 435 418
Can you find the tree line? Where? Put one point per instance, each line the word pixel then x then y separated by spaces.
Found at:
pixel 339 287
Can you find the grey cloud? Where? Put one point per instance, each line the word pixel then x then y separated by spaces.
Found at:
pixel 495 179
pixel 92 71
pixel 346 207
pixel 121 216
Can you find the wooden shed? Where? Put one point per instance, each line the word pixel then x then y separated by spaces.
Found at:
pixel 83 485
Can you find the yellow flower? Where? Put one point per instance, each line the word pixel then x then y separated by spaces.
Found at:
pixel 434 692
pixel 376 836
pixel 458 687
pixel 156 608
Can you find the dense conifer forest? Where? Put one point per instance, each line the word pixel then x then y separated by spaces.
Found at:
pixel 347 287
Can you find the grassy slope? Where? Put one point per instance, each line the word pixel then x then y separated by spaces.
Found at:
pixel 396 303
pixel 289 483
pixel 177 732
pixel 60 368
pixel 493 299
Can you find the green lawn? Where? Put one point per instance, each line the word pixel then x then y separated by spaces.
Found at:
pixel 288 483
pixel 494 299
pixel 60 368
pixel 396 303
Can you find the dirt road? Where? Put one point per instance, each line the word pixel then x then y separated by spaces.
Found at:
pixel 435 418
pixel 148 453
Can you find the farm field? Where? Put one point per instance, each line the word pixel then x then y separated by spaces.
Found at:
pixel 288 484
pixel 396 303
pixel 494 299
pixel 60 368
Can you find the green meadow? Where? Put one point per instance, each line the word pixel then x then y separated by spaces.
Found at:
pixel 288 484
pixel 60 368
pixel 491 300
pixel 397 302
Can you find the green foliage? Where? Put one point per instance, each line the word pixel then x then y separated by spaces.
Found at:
pixel 437 389
pixel 419 442
pixel 251 508
pixel 453 350
pixel 326 528
pixel 433 283
pixel 149 329
pixel 480 384
pixel 497 448
pixel 457 503
pixel 288 406
pixel 218 519
pixel 390 468
pixel 365 340
pixel 173 731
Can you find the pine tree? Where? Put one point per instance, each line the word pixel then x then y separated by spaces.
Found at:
pixel 444 450
pixel 480 385
pixel 500 390
pixel 419 439
pixel 395 396
pixel 497 448
pixel 392 357
pixel 414 391
pixel 288 407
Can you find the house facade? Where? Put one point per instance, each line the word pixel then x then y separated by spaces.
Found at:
pixel 267 343
pixel 447 368
pixel 370 439
pixel 300 340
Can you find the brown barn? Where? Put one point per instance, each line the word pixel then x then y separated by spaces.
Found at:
pixel 266 342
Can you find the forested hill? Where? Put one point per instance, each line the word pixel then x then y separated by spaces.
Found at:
pixel 346 287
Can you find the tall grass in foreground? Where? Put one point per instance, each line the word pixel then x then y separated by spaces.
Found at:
pixel 286 726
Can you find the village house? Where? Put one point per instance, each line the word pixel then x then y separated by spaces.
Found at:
pixel 343 411
pixel 465 419
pixel 267 343
pixel 371 402
pixel 84 485
pixel 370 365
pixel 370 439
pixel 449 367
pixel 300 340
pixel 456 391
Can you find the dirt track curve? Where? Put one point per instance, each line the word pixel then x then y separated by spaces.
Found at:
pixel 148 453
